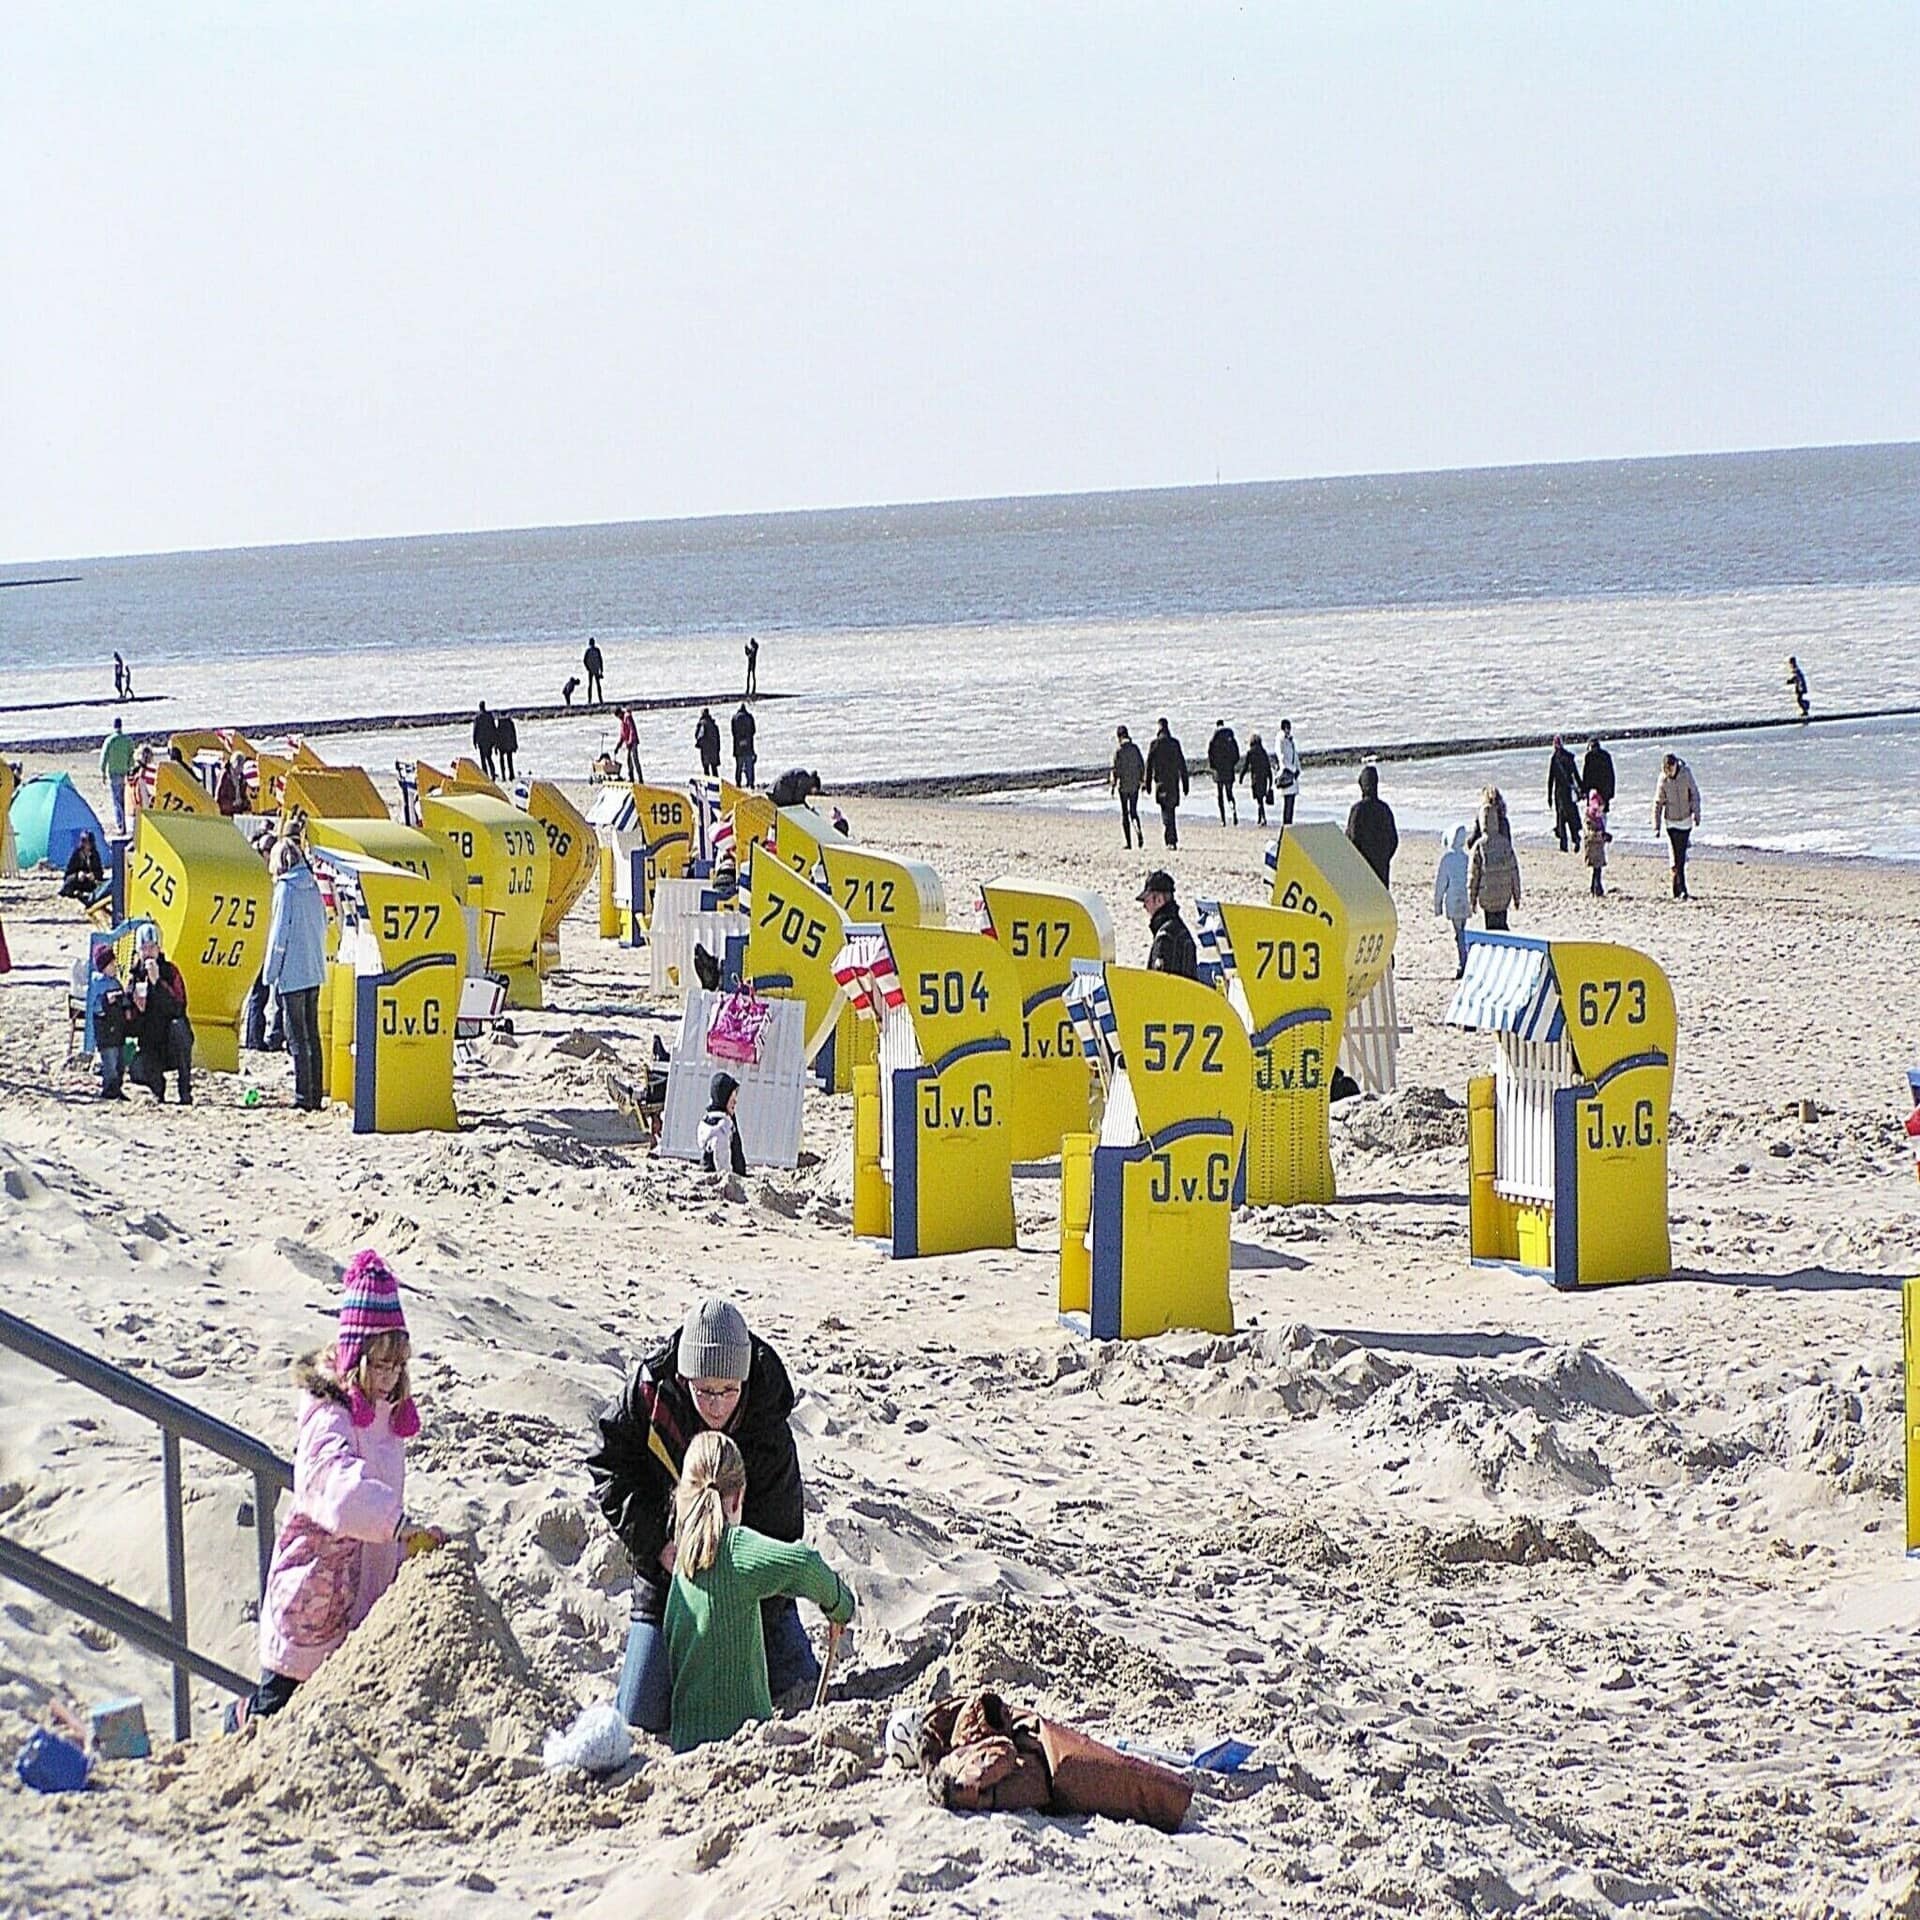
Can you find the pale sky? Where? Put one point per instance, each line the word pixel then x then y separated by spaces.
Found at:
pixel 287 272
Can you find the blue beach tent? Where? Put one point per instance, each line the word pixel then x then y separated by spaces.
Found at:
pixel 49 816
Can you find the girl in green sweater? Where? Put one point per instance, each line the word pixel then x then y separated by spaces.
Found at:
pixel 721 1573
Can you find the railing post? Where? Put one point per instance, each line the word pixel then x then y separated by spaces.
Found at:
pixel 177 1579
pixel 265 1494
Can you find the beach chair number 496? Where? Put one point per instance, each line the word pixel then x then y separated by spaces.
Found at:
pixel 1600 1001
pixel 1164 1046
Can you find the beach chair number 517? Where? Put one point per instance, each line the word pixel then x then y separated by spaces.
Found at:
pixel 1164 1046
pixel 1600 1002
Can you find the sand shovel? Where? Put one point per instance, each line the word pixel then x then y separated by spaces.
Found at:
pixel 826 1669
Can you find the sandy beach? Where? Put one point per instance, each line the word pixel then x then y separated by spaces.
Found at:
pixel 1530 1602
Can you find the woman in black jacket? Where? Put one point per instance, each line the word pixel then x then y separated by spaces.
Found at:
pixel 712 1373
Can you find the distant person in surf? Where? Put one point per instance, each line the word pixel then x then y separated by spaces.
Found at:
pixel 1676 805
pixel 1596 773
pixel 1563 796
pixel 1126 777
pixel 122 680
pixel 1223 761
pixel 753 667
pixel 568 688
pixel 1289 781
pixel 1795 679
pixel 1167 775
pixel 744 730
pixel 486 738
pixel 1258 768
pixel 506 743
pixel 596 668
pixel 1370 826
pixel 706 742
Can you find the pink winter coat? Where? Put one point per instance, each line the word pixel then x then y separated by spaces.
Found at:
pixel 337 1552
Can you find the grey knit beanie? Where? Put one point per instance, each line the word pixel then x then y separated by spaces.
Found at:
pixel 714 1343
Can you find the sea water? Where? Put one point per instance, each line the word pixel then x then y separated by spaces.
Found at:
pixel 1012 634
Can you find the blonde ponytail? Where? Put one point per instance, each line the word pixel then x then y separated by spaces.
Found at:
pixel 712 1473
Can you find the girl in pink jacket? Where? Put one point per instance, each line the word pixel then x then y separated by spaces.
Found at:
pixel 346 1529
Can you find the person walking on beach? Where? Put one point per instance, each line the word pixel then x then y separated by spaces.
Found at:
pixel 1676 804
pixel 506 743
pixel 628 743
pixel 1563 796
pixel 743 729
pixel 596 668
pixel 1597 838
pixel 1289 773
pixel 116 757
pixel 486 737
pixel 1126 777
pixel 1170 947
pixel 1493 872
pixel 296 965
pixel 1371 828
pixel 712 1375
pixel 119 677
pixel 706 742
pixel 1795 679
pixel 1596 773
pixel 1223 761
pixel 1258 767
pixel 1452 901
pixel 753 666
pixel 1167 775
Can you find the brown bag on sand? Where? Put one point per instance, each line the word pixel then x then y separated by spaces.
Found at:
pixel 1089 1777
pixel 979 1755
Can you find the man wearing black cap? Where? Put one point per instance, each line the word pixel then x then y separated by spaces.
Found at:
pixel 1171 948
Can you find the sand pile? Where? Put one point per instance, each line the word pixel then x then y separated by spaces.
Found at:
pixel 429 1718
pixel 1055 1657
pixel 1413 1120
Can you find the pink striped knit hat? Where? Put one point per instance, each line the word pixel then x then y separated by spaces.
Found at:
pixel 369 1305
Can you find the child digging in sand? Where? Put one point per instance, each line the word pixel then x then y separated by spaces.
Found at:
pixel 721 1573
pixel 346 1530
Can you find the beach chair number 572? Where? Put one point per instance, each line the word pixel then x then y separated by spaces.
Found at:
pixel 1600 1001
pixel 1164 1046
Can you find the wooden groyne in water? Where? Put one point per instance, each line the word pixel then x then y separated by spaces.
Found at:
pixel 260 731
pixel 957 786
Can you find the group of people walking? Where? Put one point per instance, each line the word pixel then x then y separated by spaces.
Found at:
pixel 1270 775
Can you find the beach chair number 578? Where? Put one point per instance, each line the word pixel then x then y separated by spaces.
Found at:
pixel 1164 1046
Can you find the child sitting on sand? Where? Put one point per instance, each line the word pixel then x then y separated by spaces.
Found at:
pixel 721 1573
pixel 1595 846
pixel 346 1530
pixel 719 1136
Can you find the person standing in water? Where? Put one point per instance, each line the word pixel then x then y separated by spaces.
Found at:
pixel 753 666
pixel 1795 679
pixel 596 667
pixel 119 678
pixel 1289 773
pixel 1126 777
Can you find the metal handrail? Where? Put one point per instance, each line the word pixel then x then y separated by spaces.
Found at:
pixel 177 1421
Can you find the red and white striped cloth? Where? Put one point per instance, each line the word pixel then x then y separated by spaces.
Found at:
pixel 865 971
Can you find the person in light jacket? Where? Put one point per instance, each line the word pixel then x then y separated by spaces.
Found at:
pixel 296 964
pixel 1451 900
pixel 1289 773
pixel 1493 872
pixel 1676 803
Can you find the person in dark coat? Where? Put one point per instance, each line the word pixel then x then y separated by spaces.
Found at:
pixel 712 1374
pixel 1258 768
pixel 506 743
pixel 1370 826
pixel 159 1022
pixel 595 663
pixel 1167 776
pixel 1223 757
pixel 1126 777
pixel 1596 774
pixel 486 738
pixel 744 731
pixel 795 788
pixel 84 870
pixel 1170 947
pixel 1563 796
pixel 706 743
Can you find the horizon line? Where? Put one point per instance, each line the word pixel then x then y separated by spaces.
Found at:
pixel 949 500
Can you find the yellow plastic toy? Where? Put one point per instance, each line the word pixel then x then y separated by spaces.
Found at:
pixel 1044 929
pixel 207 891
pixel 1283 977
pixel 1318 870
pixel 1567 1137
pixel 794 935
pixel 947 1016
pixel 1179 1072
pixel 331 793
pixel 501 866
